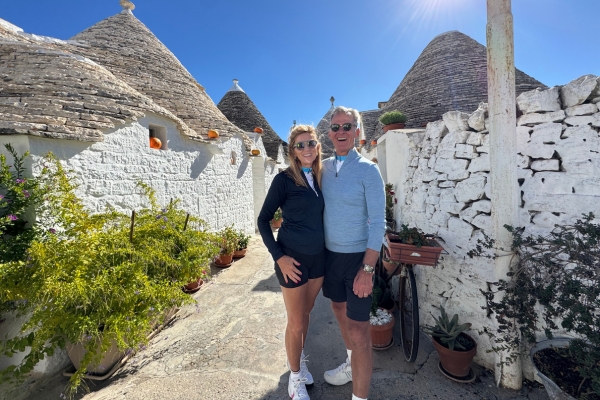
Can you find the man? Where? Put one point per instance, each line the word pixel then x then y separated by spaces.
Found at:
pixel 354 223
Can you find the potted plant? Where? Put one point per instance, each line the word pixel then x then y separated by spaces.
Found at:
pixel 228 241
pixel 381 318
pixel 392 120
pixel 455 348
pixel 412 246
pixel 554 285
pixel 277 219
pixel 242 246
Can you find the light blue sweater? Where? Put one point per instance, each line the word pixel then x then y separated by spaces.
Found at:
pixel 354 216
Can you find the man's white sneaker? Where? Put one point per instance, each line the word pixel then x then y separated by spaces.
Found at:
pixel 297 389
pixel 304 370
pixel 339 376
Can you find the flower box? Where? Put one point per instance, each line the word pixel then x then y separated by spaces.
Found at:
pixel 410 254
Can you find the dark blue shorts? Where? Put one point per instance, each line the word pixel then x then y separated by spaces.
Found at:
pixel 312 266
pixel 340 271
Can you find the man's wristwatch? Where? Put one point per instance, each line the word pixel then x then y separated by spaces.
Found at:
pixel 369 269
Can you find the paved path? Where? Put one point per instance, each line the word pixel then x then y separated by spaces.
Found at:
pixel 230 346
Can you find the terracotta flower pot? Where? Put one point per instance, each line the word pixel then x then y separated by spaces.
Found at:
pixel 456 363
pixel 362 142
pixel 258 130
pixel 193 285
pixel 239 253
pixel 410 254
pixel 276 223
pixel 373 142
pixel 381 335
pixel 212 134
pixel 393 126
pixel 224 259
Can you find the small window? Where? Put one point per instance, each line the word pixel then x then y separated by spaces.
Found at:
pixel 159 132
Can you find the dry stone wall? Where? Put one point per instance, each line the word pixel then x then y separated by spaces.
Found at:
pixel 447 187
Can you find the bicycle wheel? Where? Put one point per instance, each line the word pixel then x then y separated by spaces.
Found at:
pixel 409 315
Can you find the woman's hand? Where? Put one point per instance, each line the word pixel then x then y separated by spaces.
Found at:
pixel 288 268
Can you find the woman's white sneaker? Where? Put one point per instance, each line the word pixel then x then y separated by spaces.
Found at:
pixel 304 369
pixel 297 389
pixel 339 376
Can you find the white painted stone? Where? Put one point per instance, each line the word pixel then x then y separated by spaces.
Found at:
pixel 522 173
pixel 583 109
pixel 483 149
pixel 545 165
pixel 548 133
pixel 450 140
pixel 470 189
pixel 456 121
pixel 429 175
pixel 430 209
pixel 539 100
pixel 596 120
pixel 465 151
pixel 446 154
pixel 432 200
pixel 523 136
pixel 414 162
pixel 537 118
pixel 447 196
pixel 447 184
pixel 488 189
pixel 450 165
pixel 452 208
pixel 583 146
pixel 523 161
pixel 458 175
pixel 431 162
pixel 475 138
pixel 481 163
pixel 580 130
pixel 484 206
pixel 462 229
pixel 436 130
pixel 483 222
pixel 564 203
pixel 442 177
pixel 546 220
pixel 477 119
pixel 440 218
pixel 581 120
pixel 582 167
pixel 468 214
pixel 578 90
pixel 539 150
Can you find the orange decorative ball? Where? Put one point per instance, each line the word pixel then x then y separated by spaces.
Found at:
pixel 258 130
pixel 255 152
pixel 155 143
pixel 212 134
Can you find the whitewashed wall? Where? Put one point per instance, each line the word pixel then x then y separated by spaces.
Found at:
pixel 200 175
pixel 445 189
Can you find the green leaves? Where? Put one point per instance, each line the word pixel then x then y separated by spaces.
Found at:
pixel 447 331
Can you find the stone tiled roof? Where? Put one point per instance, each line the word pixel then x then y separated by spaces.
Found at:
pixel 372 128
pixel 241 110
pixel 128 49
pixel 48 92
pixel 449 75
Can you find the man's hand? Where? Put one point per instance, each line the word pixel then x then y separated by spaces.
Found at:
pixel 363 284
pixel 288 268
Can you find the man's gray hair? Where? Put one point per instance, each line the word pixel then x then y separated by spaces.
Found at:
pixel 349 111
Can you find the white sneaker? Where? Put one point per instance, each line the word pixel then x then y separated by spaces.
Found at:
pixel 339 376
pixel 297 389
pixel 304 369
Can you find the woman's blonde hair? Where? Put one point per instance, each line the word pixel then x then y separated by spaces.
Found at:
pixel 295 169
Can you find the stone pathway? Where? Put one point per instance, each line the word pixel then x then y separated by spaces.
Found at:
pixel 230 346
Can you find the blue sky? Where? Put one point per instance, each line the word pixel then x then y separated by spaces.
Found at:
pixel 291 56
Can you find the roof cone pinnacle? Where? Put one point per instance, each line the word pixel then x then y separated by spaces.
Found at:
pixel 332 100
pixel 127 5
pixel 235 87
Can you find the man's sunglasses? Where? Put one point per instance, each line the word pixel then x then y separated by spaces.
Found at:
pixel 336 127
pixel 310 143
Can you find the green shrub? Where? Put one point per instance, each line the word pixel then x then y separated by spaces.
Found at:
pixel 92 281
pixel 392 117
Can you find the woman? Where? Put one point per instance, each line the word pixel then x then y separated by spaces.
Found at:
pixel 299 251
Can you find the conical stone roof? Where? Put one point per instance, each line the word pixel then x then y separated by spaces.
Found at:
pixel 449 75
pixel 128 49
pixel 237 106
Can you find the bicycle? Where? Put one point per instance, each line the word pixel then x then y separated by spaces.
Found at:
pixel 408 301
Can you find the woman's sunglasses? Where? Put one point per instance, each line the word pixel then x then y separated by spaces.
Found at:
pixel 336 127
pixel 310 143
